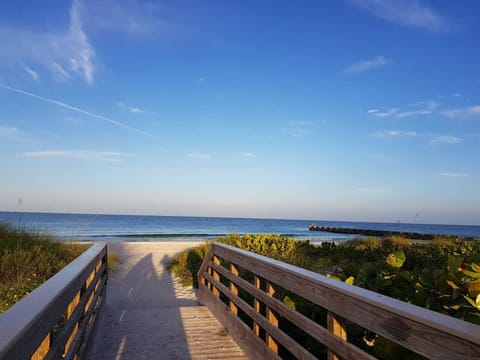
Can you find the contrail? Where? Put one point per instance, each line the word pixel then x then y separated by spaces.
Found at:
pixel 73 108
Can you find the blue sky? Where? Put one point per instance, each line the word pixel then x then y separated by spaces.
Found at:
pixel 338 110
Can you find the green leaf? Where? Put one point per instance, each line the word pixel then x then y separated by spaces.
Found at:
pixel 475 304
pixel 396 260
pixel 471 274
pixel 406 275
pixel 475 267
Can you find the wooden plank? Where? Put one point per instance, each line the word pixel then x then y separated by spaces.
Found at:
pixel 215 275
pixel 71 308
pixel 57 349
pixel 336 325
pixel 272 317
pixel 23 327
pixel 204 266
pixel 85 327
pixel 430 334
pixel 43 349
pixel 233 288
pixel 253 346
pixel 257 306
pixel 319 333
pixel 292 346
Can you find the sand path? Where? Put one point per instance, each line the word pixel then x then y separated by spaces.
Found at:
pixel 148 314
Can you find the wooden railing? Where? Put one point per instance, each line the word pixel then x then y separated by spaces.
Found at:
pixel 55 320
pixel 244 291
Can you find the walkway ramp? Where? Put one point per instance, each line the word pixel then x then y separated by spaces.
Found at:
pixel 149 315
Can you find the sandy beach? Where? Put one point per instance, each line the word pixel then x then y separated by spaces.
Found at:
pixel 148 314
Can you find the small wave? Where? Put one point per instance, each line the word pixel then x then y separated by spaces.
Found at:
pixel 161 235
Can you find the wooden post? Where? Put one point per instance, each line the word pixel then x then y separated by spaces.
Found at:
pixel 258 306
pixel 216 276
pixel 336 325
pixel 43 349
pixel 272 317
pixel 233 289
pixel 70 309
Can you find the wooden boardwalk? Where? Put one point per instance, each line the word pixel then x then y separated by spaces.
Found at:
pixel 149 315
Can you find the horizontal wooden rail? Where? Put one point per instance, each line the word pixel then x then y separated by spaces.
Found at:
pixel 55 320
pixel 422 331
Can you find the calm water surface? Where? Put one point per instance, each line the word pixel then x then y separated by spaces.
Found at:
pixel 155 228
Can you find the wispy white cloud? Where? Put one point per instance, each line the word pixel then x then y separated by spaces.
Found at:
pixel 462 112
pixel 456 95
pixel 452 174
pixel 61 52
pixel 59 73
pixel 130 17
pixel 8 131
pixel 372 190
pixel 299 128
pixel 11 133
pixel 411 13
pixel 418 108
pixel 248 154
pixel 111 156
pixel 366 65
pixel 393 133
pixel 199 156
pixel 33 74
pixel 445 139
pixel 73 108
pixel 136 110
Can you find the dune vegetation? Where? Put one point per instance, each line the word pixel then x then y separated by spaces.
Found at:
pixel 28 259
pixel 442 275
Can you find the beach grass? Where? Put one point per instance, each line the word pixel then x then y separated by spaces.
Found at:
pixel 28 259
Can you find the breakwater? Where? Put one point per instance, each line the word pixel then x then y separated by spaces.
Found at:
pixel 383 233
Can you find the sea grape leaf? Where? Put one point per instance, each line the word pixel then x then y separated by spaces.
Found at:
pixel 350 280
pixel 471 274
pixel 406 275
pixel 474 288
pixel 396 259
pixel 475 303
pixel 287 300
pixel 476 267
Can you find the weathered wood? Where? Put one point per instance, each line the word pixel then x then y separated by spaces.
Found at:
pixel 272 317
pixel 77 315
pixel 257 306
pixel 253 346
pixel 336 325
pixel 215 275
pixel 430 334
pixel 24 326
pixel 206 337
pixel 233 289
pixel 292 346
pixel 71 308
pixel 316 331
pixel 204 266
pixel 43 349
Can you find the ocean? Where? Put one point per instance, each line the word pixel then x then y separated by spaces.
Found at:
pixel 90 227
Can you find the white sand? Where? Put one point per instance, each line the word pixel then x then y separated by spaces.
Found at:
pixel 147 312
